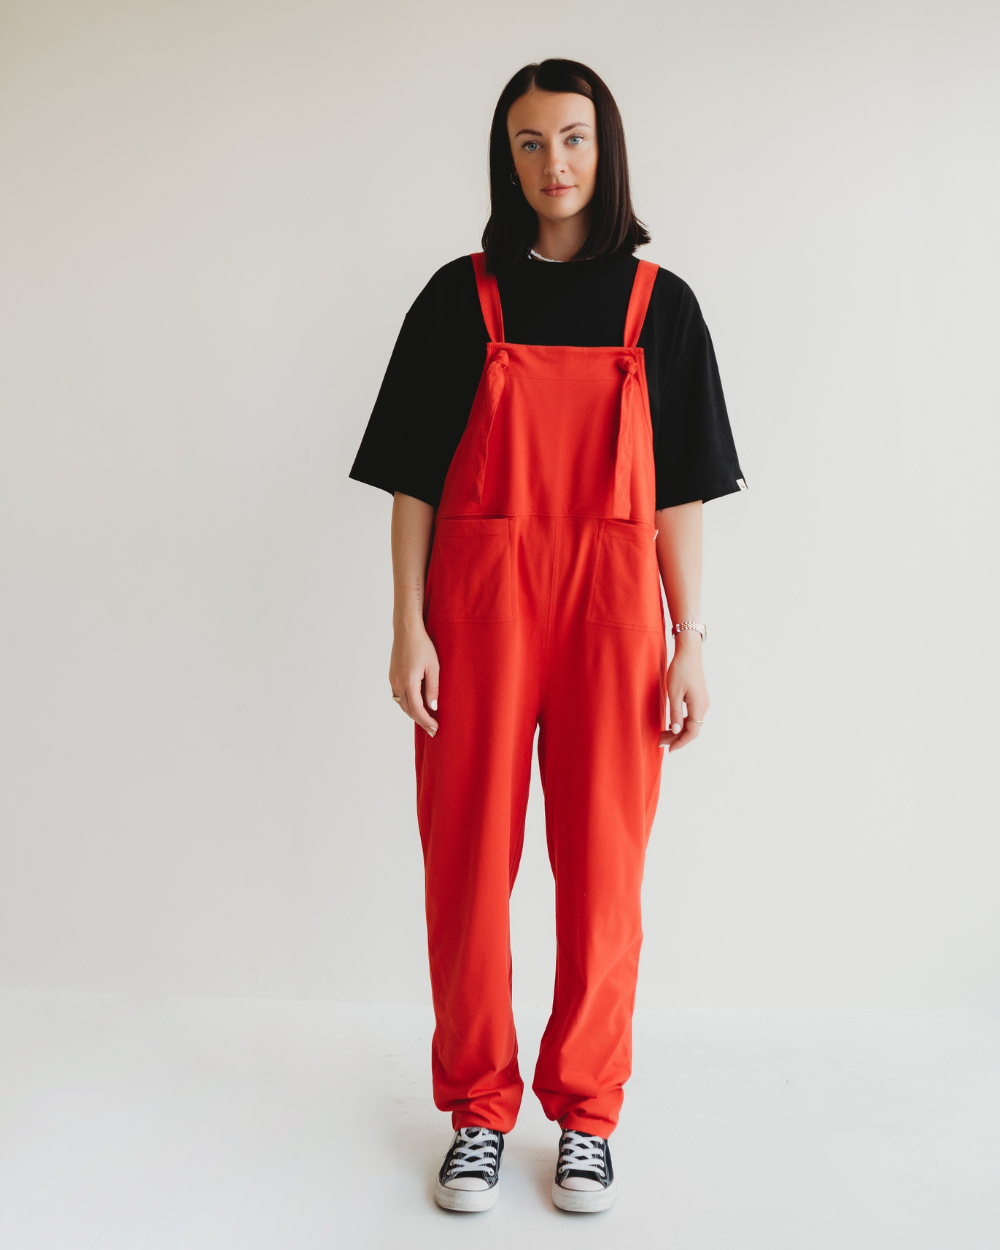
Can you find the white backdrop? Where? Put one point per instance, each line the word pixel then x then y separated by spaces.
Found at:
pixel 215 215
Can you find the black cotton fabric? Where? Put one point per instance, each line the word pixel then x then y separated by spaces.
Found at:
pixel 430 383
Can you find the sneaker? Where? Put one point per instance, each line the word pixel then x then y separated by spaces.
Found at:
pixel 469 1179
pixel 585 1179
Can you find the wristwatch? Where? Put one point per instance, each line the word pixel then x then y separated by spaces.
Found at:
pixel 695 625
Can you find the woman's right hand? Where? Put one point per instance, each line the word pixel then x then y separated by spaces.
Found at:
pixel 414 672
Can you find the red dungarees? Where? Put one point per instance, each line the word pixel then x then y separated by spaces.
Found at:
pixel 543 601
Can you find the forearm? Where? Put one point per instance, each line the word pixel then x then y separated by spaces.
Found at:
pixel 412 525
pixel 678 550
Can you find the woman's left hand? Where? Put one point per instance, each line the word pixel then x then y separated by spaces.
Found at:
pixel 685 686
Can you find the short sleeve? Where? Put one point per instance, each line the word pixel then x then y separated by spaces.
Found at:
pixel 694 449
pixel 427 392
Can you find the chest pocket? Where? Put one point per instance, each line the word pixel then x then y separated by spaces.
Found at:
pixel 470 575
pixel 625 591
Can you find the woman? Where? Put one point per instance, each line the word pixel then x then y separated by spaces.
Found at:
pixel 552 415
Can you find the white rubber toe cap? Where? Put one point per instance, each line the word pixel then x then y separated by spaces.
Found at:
pixel 465 1199
pixel 584 1200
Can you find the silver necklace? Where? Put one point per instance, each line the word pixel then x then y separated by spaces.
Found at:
pixel 538 256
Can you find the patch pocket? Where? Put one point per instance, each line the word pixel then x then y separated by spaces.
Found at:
pixel 626 588
pixel 470 576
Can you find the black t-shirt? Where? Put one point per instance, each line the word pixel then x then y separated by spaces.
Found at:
pixel 430 383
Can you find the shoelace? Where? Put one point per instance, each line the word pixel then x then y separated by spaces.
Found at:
pixel 474 1150
pixel 579 1152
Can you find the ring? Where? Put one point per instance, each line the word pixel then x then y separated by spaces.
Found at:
pixel 397 698
pixel 699 722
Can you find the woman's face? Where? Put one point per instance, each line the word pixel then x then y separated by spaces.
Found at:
pixel 553 139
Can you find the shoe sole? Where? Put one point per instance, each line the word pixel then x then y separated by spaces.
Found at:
pixel 465 1199
pixel 584 1200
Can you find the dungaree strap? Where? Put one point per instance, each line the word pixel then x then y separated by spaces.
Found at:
pixel 642 289
pixel 631 399
pixel 489 298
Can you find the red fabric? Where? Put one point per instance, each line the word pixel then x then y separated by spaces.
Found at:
pixel 543 600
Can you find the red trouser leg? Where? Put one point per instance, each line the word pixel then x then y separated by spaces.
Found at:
pixel 600 763
pixel 472 790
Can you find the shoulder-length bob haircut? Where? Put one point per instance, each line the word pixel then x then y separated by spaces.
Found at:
pixel 513 225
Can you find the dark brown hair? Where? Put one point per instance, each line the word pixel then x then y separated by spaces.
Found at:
pixel 513 224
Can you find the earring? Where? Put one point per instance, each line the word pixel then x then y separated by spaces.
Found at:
pixel 514 180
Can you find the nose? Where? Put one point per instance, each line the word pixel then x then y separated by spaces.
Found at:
pixel 555 163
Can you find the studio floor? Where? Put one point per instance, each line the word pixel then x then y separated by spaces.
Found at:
pixel 229 1124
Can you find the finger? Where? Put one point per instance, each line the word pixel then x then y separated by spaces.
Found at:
pixel 417 709
pixel 431 684
pixel 404 700
pixel 697 710
pixel 675 718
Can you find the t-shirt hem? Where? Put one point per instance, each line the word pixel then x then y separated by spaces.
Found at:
pixel 390 487
pixel 727 486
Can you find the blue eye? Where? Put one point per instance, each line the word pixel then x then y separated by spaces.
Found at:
pixel 530 146
pixel 575 139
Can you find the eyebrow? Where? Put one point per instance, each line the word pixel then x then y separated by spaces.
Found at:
pixel 571 126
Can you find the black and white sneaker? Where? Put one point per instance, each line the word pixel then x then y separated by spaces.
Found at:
pixel 469 1179
pixel 585 1179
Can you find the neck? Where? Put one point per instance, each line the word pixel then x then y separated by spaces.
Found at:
pixel 561 240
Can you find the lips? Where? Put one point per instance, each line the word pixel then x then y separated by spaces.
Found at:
pixel 557 188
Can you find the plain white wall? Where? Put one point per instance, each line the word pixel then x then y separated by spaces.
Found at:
pixel 215 215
